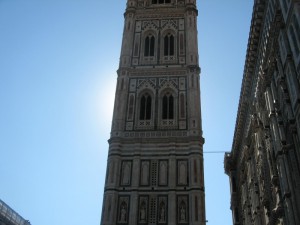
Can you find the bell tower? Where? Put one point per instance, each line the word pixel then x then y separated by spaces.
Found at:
pixel 155 159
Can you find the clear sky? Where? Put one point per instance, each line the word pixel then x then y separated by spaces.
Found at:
pixel 58 62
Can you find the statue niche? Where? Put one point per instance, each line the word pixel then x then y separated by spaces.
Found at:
pixel 163 173
pixel 145 173
pixel 182 173
pixel 126 173
pixel 162 212
pixel 123 213
pixel 182 210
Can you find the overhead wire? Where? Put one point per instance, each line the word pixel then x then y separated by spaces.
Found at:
pixel 216 152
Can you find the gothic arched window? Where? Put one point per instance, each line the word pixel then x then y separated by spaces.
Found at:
pixel 168 107
pixel 145 107
pixel 149 45
pixel 169 45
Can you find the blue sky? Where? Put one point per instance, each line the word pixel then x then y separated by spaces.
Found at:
pixel 58 62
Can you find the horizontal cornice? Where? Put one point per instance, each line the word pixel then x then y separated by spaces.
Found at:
pixel 246 95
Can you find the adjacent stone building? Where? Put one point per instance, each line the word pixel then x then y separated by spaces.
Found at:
pixel 9 217
pixel 155 159
pixel 264 164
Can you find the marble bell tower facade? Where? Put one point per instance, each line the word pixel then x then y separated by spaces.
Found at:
pixel 155 159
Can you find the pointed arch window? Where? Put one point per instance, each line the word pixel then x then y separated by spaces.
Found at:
pixel 169 45
pixel 168 107
pixel 145 107
pixel 149 45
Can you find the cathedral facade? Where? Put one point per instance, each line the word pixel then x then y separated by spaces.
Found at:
pixel 264 163
pixel 155 159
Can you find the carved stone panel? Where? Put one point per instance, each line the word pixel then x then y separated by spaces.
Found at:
pixel 182 172
pixel 123 210
pixel 129 126
pixel 162 213
pixel 132 86
pixel 126 173
pixel 181 44
pixel 136 48
pixel 167 82
pixel 181 24
pixel 182 83
pixel 182 209
pixel 138 26
pixel 135 61
pixel 131 106
pixel 163 173
pixel 182 125
pixel 145 168
pixel 181 60
pixel 169 24
pixel 182 105
pixel 150 24
pixel 143 210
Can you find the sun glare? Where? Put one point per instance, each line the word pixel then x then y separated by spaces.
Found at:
pixel 105 100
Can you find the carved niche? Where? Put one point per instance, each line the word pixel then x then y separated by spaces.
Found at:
pixel 123 209
pixel 162 210
pixel 143 210
pixel 163 173
pixel 182 209
pixel 182 172
pixel 145 168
